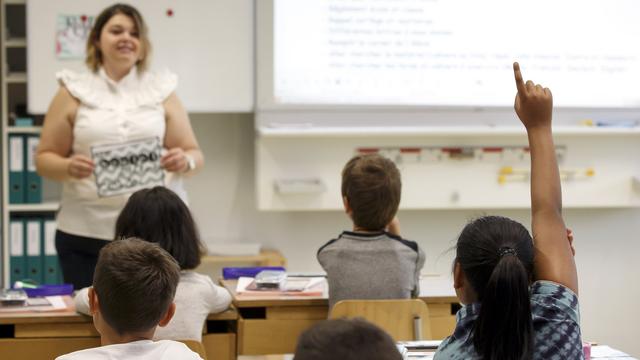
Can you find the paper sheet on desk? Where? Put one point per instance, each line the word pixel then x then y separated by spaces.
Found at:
pixel 54 303
pixel 604 352
pixel 315 287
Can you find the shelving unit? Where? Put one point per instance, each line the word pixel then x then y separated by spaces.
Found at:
pixel 445 167
pixel 16 78
pixel 13 58
pixel 42 207
pixel 440 131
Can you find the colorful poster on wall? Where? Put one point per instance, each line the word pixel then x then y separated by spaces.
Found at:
pixel 72 32
pixel 126 167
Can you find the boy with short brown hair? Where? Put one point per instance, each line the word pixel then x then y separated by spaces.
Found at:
pixel 133 289
pixel 373 261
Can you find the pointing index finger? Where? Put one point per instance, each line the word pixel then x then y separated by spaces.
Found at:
pixel 519 81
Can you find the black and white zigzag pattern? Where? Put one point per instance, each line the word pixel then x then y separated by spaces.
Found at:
pixel 126 167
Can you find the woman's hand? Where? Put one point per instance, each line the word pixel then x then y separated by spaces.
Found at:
pixel 175 160
pixel 80 166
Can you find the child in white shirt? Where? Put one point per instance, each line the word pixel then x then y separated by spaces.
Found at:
pixel 158 215
pixel 133 289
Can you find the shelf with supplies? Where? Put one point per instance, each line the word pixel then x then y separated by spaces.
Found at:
pixel 40 207
pixel 24 129
pixel 307 131
pixel 29 202
pixel 15 42
pixel 447 167
pixel 32 252
pixel 16 78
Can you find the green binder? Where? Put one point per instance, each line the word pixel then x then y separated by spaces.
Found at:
pixel 33 182
pixel 16 169
pixel 17 259
pixel 51 266
pixel 34 249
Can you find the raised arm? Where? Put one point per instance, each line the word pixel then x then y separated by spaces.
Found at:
pixel 553 258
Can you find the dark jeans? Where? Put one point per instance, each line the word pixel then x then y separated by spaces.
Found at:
pixel 78 256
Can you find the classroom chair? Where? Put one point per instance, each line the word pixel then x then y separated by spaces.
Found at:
pixel 196 346
pixel 403 319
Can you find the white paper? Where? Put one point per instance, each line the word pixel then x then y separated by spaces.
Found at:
pixel 57 302
pixel 126 167
pixel 72 32
pixel 603 351
pixel 242 284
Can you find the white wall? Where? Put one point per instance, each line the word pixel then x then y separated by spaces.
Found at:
pixel 222 198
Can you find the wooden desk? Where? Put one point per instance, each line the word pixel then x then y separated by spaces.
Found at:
pixel 212 264
pixel 47 335
pixel 272 324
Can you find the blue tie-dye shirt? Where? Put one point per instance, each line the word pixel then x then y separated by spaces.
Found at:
pixel 556 325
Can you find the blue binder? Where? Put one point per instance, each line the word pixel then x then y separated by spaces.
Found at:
pixel 16 169
pixel 34 249
pixel 17 259
pixel 33 181
pixel 50 256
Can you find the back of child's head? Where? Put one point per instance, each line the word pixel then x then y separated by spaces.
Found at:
pixel 159 215
pixel 496 256
pixel 135 282
pixel 372 186
pixel 344 339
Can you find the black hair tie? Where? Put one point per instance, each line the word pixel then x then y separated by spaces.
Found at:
pixel 506 250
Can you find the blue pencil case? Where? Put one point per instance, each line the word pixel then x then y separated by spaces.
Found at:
pixel 49 290
pixel 232 273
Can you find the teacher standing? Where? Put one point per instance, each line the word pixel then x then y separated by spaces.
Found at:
pixel 116 101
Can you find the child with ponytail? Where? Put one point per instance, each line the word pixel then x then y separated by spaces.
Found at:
pixel 520 294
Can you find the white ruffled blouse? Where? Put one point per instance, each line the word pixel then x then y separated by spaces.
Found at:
pixel 110 112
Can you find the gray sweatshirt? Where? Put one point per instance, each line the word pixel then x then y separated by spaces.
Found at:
pixel 371 266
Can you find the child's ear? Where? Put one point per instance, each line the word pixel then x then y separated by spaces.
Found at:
pixel 458 276
pixel 347 207
pixel 168 316
pixel 94 305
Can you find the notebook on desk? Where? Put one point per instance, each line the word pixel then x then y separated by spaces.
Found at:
pixel 298 286
pixel 41 304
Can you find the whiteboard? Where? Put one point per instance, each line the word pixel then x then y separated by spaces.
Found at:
pixel 426 54
pixel 207 43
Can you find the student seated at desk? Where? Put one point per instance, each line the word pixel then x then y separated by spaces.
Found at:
pixel 372 261
pixel 158 215
pixel 506 316
pixel 346 339
pixel 132 294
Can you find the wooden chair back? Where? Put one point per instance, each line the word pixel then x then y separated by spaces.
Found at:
pixel 403 319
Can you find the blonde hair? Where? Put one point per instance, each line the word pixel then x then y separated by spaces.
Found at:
pixel 94 55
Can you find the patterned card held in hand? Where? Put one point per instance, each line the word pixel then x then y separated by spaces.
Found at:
pixel 126 167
